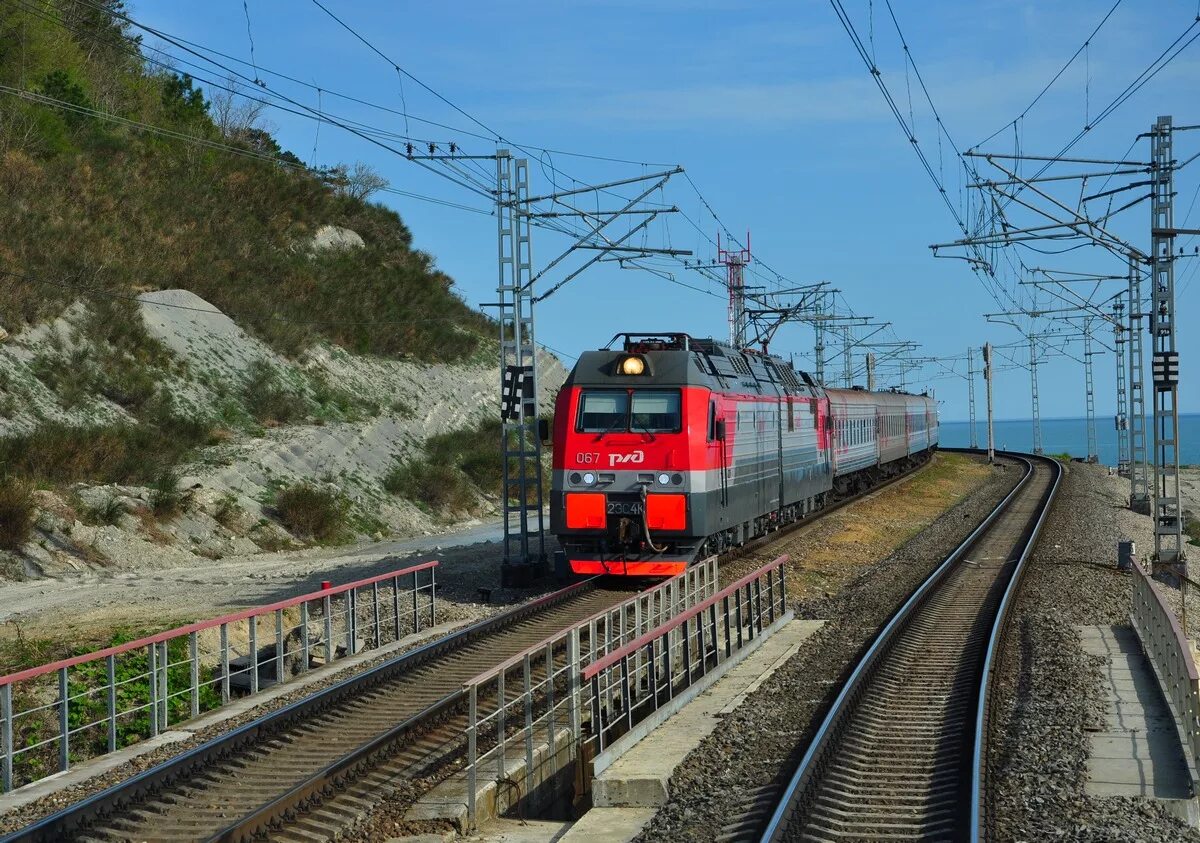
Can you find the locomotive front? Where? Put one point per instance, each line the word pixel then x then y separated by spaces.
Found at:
pixel 621 497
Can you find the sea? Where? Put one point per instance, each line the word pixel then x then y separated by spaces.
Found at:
pixel 1068 436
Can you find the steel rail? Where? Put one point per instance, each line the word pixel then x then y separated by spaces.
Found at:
pixel 845 703
pixel 122 794
pixel 995 642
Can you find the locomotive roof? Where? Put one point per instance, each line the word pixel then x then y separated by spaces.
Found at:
pixel 682 360
pixel 677 359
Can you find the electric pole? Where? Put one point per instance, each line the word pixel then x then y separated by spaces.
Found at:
pixel 1089 392
pixel 1139 469
pixel 1121 419
pixel 971 396
pixel 1168 515
pixel 870 371
pixel 1035 403
pixel 987 380
pixel 735 263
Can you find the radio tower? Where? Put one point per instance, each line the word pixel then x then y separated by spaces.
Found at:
pixel 735 263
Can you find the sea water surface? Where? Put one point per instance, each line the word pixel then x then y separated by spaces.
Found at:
pixel 1068 436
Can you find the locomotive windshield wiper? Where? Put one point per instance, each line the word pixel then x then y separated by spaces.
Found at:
pixel 644 430
pixel 610 429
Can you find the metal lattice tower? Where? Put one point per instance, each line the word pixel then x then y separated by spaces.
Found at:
pixel 819 334
pixel 1168 520
pixel 735 263
pixel 1121 419
pixel 521 491
pixel 1035 404
pixel 971 396
pixel 847 361
pixel 1089 392
pixel 1139 471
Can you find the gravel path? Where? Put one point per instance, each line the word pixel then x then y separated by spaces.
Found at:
pixel 1050 692
pixel 763 738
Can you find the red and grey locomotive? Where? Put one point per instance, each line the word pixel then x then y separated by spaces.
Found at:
pixel 670 448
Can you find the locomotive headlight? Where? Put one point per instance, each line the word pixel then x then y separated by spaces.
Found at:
pixel 632 365
pixel 589 478
pixel 664 479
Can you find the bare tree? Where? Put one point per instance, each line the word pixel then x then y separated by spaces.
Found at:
pixel 363 180
pixel 235 114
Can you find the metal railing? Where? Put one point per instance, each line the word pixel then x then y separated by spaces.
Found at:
pixel 70 710
pixel 638 678
pixel 532 703
pixel 1169 651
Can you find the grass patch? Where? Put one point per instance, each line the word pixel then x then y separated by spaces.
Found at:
pixel 1192 529
pixel 17 513
pixel 269 398
pixel 313 511
pixel 133 691
pixel 453 468
pixel 165 498
pixel 109 512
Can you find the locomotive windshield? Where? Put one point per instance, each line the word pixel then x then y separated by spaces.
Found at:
pixel 624 410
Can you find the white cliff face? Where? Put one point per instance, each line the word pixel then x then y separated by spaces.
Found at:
pixel 227 490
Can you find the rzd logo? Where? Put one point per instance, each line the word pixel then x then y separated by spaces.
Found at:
pixel 635 457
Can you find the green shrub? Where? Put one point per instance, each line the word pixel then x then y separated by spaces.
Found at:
pixel 124 453
pixel 17 513
pixel 165 498
pixel 313 511
pixel 268 398
pixel 439 486
pixel 108 512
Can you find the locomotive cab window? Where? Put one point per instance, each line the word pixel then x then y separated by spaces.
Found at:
pixel 655 411
pixel 603 410
pixel 624 410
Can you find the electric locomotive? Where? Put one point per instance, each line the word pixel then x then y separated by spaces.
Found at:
pixel 670 448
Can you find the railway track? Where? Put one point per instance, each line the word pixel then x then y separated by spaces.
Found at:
pixel 308 771
pixel 899 755
pixel 305 772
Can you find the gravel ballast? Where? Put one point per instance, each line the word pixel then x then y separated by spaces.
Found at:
pixel 1050 693
pixel 762 739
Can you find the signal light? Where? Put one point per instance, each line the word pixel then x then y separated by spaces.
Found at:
pixel 631 365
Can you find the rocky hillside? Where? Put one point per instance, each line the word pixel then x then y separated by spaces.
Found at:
pixel 205 353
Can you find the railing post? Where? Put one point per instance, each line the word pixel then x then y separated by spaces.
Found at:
pixel 725 608
pixel 351 621
pixel 782 588
pixel 327 603
pixel 64 720
pixel 279 676
pixel 552 730
pixel 433 596
pixel 110 674
pixel 771 594
pixel 152 657
pixel 6 738
pixel 737 597
pixel 224 663
pixel 396 606
pixel 194 669
pixel 574 710
pixel 597 722
pixel 415 607
pixel 501 726
pixel 164 694
pixel 472 717
pixel 626 696
pixel 252 622
pixel 528 675
pixel 305 655
pixel 375 612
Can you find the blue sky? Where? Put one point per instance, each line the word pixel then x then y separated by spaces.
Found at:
pixel 776 120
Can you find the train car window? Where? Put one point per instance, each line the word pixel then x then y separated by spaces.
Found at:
pixel 815 415
pixel 603 410
pixel 655 411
